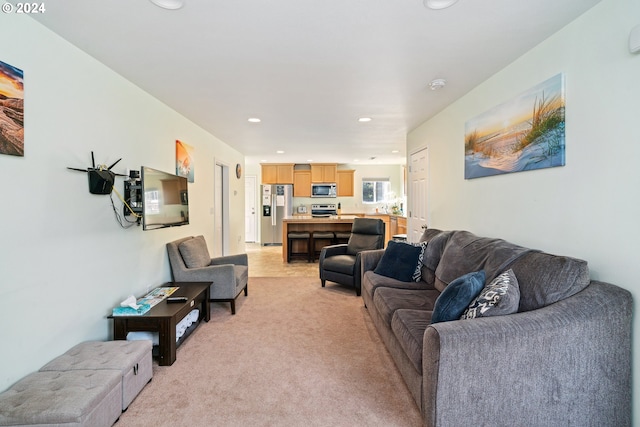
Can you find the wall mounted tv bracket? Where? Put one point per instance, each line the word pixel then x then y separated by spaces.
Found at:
pixel 133 195
pixel 101 178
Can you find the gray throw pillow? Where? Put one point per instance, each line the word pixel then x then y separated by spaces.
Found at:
pixel 194 252
pixel 500 297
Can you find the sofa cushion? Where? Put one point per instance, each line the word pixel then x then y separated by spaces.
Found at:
pixel 465 252
pixel 500 297
pixel 372 281
pixel 408 326
pixel 388 300
pixel 194 252
pixel 453 301
pixel 401 261
pixel 545 279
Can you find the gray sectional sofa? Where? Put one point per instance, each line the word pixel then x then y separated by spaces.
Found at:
pixel 562 356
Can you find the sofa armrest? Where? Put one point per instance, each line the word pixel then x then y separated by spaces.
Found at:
pixel 370 259
pixel 565 364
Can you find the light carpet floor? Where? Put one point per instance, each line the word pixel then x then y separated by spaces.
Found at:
pixel 295 354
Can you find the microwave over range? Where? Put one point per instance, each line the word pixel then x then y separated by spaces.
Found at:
pixel 323 190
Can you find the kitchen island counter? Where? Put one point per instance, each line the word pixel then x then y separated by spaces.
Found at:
pixel 340 223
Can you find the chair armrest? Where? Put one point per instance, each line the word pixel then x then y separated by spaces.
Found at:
pixel 571 359
pixel 329 251
pixel 238 259
pixel 370 259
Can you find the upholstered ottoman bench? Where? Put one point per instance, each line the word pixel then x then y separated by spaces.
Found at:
pixel 63 399
pixel 131 358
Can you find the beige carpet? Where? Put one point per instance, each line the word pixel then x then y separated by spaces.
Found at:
pixel 295 354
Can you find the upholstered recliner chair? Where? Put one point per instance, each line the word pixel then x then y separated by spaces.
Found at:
pixel 341 263
pixel 190 262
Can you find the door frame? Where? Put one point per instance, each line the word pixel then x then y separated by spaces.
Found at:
pixel 410 189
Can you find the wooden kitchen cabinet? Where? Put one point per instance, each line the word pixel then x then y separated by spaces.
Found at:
pixel 277 173
pixel 402 225
pixel 397 225
pixel 345 183
pixel 324 172
pixel 302 183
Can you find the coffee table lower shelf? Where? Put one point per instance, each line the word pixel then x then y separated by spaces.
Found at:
pixel 163 318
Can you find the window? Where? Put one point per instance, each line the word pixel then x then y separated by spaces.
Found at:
pixel 375 190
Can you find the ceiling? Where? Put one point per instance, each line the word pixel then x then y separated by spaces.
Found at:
pixel 308 68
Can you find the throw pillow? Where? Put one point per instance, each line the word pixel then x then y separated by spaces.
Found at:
pixel 194 252
pixel 455 298
pixel 500 297
pixel 401 261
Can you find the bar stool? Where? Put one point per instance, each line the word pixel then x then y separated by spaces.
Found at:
pixel 299 236
pixel 322 236
pixel 342 237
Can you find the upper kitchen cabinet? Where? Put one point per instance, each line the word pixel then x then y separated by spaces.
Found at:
pixel 324 172
pixel 277 173
pixel 345 183
pixel 301 183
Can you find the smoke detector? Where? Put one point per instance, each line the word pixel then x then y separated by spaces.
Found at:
pixel 436 84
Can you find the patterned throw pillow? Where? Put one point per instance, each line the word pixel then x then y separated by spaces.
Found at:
pixel 500 297
pixel 402 261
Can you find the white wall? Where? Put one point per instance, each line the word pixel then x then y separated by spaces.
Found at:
pixel 589 208
pixel 64 261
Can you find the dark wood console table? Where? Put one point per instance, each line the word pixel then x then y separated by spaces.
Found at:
pixel 163 317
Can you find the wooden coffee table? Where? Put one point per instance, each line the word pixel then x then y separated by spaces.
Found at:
pixel 163 317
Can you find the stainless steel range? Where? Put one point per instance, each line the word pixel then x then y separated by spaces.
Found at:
pixel 323 210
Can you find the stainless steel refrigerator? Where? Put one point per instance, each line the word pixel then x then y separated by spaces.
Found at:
pixel 277 203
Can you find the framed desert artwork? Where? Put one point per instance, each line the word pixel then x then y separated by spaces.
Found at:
pixel 525 133
pixel 11 110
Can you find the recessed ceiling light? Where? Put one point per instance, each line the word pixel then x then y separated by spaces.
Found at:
pixel 309 160
pixel 254 120
pixel 439 4
pixel 395 151
pixel 436 84
pixel 364 119
pixel 280 152
pixel 168 4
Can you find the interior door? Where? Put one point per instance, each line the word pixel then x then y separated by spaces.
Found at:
pixel 417 200
pixel 221 210
pixel 250 217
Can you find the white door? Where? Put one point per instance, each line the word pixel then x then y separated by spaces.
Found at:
pixel 250 218
pixel 417 200
pixel 221 210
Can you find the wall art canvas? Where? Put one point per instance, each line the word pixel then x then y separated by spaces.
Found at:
pixel 525 133
pixel 11 110
pixel 184 160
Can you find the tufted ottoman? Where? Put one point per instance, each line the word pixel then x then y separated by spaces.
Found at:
pixel 131 358
pixel 61 399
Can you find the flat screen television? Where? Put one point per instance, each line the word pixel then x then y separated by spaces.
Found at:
pixel 165 199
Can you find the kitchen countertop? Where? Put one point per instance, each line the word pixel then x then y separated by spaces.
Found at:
pixel 309 218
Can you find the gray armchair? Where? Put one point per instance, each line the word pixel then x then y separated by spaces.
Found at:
pixel 341 263
pixel 190 262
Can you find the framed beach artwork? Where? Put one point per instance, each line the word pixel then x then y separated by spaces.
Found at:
pixel 525 133
pixel 184 160
pixel 11 110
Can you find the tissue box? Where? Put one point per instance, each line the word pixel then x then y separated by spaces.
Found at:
pixel 128 311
